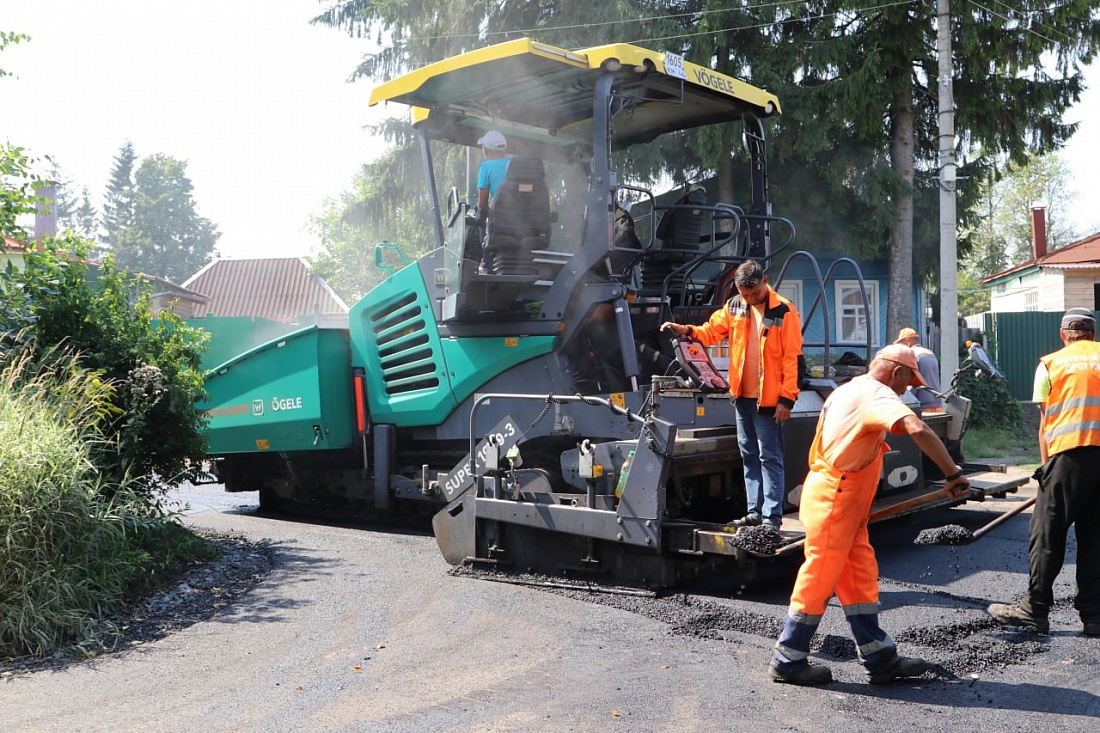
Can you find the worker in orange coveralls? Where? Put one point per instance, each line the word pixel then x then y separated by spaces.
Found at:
pixel 845 466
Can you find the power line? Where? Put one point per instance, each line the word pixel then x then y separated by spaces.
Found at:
pixel 781 22
pixel 748 8
pixel 1024 12
pixel 550 29
pixel 1005 17
pixel 755 26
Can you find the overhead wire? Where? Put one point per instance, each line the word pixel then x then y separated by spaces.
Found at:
pixel 1005 17
pixel 762 6
pixel 621 21
pixel 848 13
pixel 1023 12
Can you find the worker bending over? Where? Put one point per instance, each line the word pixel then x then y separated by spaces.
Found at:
pixel 845 466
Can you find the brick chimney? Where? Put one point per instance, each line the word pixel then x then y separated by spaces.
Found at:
pixel 1038 232
pixel 45 215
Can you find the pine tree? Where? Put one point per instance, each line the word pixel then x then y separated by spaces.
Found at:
pixel 857 145
pixel 855 153
pixel 164 236
pixel 118 201
pixel 86 217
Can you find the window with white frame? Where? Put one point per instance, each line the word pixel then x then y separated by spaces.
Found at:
pixel 792 291
pixel 852 316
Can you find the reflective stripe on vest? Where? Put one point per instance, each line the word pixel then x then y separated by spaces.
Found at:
pixel 1073 408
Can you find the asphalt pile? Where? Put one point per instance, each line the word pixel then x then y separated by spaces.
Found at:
pixel 761 540
pixel 951 534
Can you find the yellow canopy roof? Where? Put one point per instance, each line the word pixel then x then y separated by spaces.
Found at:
pixel 541 96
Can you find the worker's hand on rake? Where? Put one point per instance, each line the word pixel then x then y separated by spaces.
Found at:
pixel 957 487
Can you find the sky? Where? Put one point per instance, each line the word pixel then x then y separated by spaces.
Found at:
pixel 252 97
pixel 247 92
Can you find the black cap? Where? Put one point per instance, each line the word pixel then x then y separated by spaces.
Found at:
pixel 1078 319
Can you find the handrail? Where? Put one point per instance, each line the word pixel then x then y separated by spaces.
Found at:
pixel 821 282
pixel 378 249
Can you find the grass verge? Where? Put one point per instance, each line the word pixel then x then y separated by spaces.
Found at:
pixel 72 550
pixel 1014 447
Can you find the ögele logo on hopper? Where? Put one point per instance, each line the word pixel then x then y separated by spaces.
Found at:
pixel 257 408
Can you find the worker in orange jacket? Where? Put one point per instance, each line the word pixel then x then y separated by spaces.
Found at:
pixel 765 338
pixel 845 466
pixel 1067 388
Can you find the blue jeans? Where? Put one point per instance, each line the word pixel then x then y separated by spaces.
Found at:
pixel 760 439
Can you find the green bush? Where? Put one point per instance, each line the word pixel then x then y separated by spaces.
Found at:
pixel 991 404
pixel 69 551
pixel 154 433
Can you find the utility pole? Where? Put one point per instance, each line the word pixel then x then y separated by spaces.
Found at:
pixel 949 266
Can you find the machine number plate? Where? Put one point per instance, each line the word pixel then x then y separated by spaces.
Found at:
pixel 674 66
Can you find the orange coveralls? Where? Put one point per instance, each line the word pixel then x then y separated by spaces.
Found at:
pixel 845 466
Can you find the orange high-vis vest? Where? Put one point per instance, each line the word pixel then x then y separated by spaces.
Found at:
pixel 780 346
pixel 1071 415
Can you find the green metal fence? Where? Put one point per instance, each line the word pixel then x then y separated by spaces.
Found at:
pixel 1019 339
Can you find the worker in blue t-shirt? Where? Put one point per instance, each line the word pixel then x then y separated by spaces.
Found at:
pixel 491 172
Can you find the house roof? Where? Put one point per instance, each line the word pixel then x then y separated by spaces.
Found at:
pixel 280 289
pixel 1082 253
pixel 13 245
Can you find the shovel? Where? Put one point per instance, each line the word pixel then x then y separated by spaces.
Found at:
pixel 953 534
pixel 885 513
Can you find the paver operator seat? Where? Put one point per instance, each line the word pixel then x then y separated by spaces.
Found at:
pixel 521 220
pixel 680 233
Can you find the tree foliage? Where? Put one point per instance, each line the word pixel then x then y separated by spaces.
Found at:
pixel 855 154
pixel 17 190
pixel 8 38
pixel 85 217
pixel 1003 236
pixel 387 202
pixel 118 207
pixel 974 298
pixel 154 435
pixel 151 222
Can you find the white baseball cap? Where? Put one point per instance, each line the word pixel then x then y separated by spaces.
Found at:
pixel 493 140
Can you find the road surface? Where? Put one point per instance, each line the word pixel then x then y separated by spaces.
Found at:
pixel 360 630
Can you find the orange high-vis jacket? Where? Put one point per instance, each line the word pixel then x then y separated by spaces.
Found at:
pixel 1071 415
pixel 780 346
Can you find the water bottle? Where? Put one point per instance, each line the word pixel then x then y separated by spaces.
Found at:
pixel 623 473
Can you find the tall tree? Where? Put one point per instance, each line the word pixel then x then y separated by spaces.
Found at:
pixel 377 208
pixel 118 200
pixel 165 235
pixel 86 218
pixel 859 139
pixel 1003 236
pixel 855 153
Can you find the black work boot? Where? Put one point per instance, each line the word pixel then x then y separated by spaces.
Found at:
pixel 810 674
pixel 749 520
pixel 1091 628
pixel 1017 615
pixel 900 668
